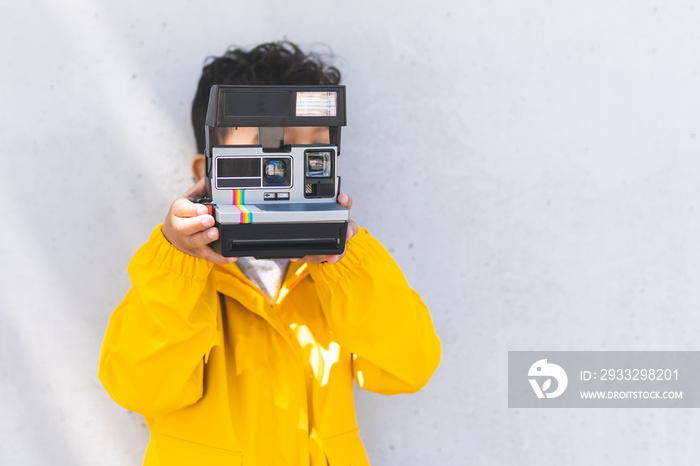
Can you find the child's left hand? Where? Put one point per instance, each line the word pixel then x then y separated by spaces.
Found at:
pixel 345 200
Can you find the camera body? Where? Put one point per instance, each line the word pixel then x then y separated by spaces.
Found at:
pixel 274 200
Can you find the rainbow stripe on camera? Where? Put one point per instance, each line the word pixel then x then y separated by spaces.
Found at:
pixel 239 202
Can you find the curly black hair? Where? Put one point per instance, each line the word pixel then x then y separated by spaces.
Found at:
pixel 273 63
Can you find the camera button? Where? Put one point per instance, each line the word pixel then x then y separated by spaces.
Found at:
pixel 283 196
pixel 269 196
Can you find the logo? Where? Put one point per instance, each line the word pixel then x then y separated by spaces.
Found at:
pixel 542 370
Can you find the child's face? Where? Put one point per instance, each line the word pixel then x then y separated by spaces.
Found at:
pixel 292 135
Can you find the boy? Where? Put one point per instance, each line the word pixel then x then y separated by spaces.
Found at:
pixel 252 362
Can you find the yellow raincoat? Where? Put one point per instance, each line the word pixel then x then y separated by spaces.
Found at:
pixel 225 377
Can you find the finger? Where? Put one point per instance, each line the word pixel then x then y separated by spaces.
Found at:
pixel 202 238
pixel 209 254
pixel 196 191
pixel 185 208
pixel 191 225
pixel 352 230
pixel 311 259
pixel 345 200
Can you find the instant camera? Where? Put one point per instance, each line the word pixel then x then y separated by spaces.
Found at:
pixel 274 200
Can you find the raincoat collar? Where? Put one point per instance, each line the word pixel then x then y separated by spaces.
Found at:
pixel 230 281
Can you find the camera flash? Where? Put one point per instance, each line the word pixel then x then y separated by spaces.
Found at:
pixel 317 104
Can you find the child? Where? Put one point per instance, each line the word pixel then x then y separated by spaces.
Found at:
pixel 251 362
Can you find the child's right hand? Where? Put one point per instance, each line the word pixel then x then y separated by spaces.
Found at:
pixel 190 228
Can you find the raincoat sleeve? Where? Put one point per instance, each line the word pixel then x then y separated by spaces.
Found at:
pixel 374 314
pixel 153 354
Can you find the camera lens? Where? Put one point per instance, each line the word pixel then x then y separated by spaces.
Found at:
pixel 275 171
pixel 318 164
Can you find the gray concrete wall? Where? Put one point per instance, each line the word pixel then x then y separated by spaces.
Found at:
pixel 533 167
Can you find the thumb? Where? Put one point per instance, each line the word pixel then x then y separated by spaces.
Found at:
pixel 196 191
